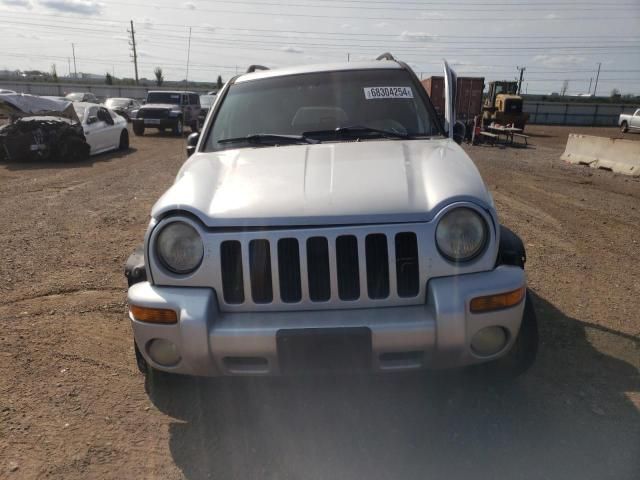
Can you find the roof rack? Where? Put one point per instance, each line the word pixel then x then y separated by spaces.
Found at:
pixel 253 68
pixel 386 56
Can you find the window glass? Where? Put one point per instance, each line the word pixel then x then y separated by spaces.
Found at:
pixel 383 99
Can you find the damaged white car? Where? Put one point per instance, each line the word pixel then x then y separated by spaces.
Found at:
pixel 50 129
pixel 325 221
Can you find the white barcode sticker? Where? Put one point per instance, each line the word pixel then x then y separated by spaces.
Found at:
pixel 371 93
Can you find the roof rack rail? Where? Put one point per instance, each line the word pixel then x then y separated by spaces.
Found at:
pixel 253 68
pixel 386 56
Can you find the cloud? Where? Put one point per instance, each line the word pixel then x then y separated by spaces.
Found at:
pixel 189 5
pixel 208 27
pixel 292 49
pixel 83 7
pixel 147 22
pixel 417 36
pixel 557 60
pixel 380 25
pixel 30 36
pixel 551 16
pixel 17 3
pixel 346 26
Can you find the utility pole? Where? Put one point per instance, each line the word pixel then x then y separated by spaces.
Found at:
pixel 132 43
pixel 188 56
pixel 590 80
pixel 522 69
pixel 75 69
pixel 595 87
pixel 69 65
pixel 348 57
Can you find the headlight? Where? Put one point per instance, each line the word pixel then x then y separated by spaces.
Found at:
pixel 179 247
pixel 461 234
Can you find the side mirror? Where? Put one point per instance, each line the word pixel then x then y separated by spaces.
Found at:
pixel 459 132
pixel 91 120
pixel 192 142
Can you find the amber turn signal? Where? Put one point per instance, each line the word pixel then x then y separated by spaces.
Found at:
pixel 497 302
pixel 153 315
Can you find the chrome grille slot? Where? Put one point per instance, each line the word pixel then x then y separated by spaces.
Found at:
pixel 377 265
pixel 407 264
pixel 260 271
pixel 231 265
pixel 289 270
pixel 318 269
pixel 347 266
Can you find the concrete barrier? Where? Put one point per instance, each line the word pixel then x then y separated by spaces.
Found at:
pixel 617 155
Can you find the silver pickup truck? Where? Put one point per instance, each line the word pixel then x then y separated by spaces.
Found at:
pixel 629 122
pixel 326 219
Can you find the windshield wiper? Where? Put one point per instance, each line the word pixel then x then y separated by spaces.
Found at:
pixel 269 139
pixel 358 131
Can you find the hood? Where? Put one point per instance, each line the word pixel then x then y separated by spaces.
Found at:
pixel 327 184
pixel 21 105
pixel 168 106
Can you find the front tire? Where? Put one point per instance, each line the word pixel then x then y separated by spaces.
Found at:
pixel 624 127
pixel 124 140
pixel 178 128
pixel 138 129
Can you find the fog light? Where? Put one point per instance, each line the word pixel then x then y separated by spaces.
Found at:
pixel 489 341
pixel 163 352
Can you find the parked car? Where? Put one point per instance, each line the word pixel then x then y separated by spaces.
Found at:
pixel 629 122
pixel 168 110
pixel 55 97
pixel 103 128
pixel 206 102
pixel 326 219
pixel 123 106
pixel 86 97
pixel 40 129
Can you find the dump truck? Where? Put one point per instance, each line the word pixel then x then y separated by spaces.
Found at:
pixel 468 96
pixel 503 105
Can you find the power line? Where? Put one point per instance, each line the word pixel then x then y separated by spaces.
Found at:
pixel 113 23
pixel 364 17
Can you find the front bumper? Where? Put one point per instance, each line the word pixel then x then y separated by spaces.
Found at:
pixel 214 343
pixel 169 122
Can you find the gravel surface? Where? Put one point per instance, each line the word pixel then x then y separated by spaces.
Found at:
pixel 72 405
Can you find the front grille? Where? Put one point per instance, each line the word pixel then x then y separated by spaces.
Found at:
pixel 343 268
pixel 153 113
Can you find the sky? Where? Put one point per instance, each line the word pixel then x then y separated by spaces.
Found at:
pixel 553 40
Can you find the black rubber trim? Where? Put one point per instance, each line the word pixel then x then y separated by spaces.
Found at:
pixel 511 249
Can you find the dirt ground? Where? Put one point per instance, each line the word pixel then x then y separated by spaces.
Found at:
pixel 73 406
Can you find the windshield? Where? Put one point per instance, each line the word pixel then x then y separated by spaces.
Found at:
pixel 117 102
pixel 163 97
pixel 75 97
pixel 79 110
pixel 207 100
pixel 292 105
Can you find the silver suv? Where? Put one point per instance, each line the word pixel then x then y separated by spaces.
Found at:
pixel 327 220
pixel 167 110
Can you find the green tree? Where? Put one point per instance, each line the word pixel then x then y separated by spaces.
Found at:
pixel 159 77
pixel 219 82
pixel 108 79
pixel 615 93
